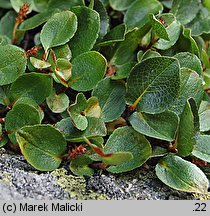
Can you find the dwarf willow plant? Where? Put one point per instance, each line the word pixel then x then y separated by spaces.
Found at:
pixel 108 84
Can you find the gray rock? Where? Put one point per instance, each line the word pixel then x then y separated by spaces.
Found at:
pixel 19 180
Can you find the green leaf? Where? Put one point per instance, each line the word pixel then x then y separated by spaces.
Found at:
pixel 93 109
pixel 64 4
pixel 202 148
pixel 42 146
pixel 110 94
pixel 161 126
pixel 148 54
pixel 153 84
pixel 137 13
pixel 57 103
pixel 187 43
pixel 158 151
pixel 124 51
pixel 12 63
pixel 123 71
pixel 190 87
pixel 96 128
pixel 185 135
pixel 61 52
pixel 76 112
pixel 189 60
pixel 204 113
pixel 84 38
pixel 23 113
pixel 5 4
pixel 1 130
pixel 185 11
pixel 201 23
pixel 36 20
pixel 159 28
pixel 4 40
pixel 40 5
pixel 173 31
pixel 104 18
pixel 205 59
pixel 190 179
pixel 3 141
pixel 126 139
pixel 59 29
pixel 3 96
pixel 40 64
pixel 79 166
pixel 120 5
pixel 7 24
pixel 81 109
pixel 115 35
pixel 62 71
pixel 87 70
pixel 33 85
pixel 117 158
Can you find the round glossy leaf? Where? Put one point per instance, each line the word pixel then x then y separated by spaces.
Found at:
pixel 59 29
pixel 57 103
pixel 137 13
pixel 110 94
pixel 153 84
pixel 42 145
pixel 126 139
pixel 161 126
pixel 87 70
pixel 33 85
pixel 181 175
pixel 87 31
pixel 12 63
